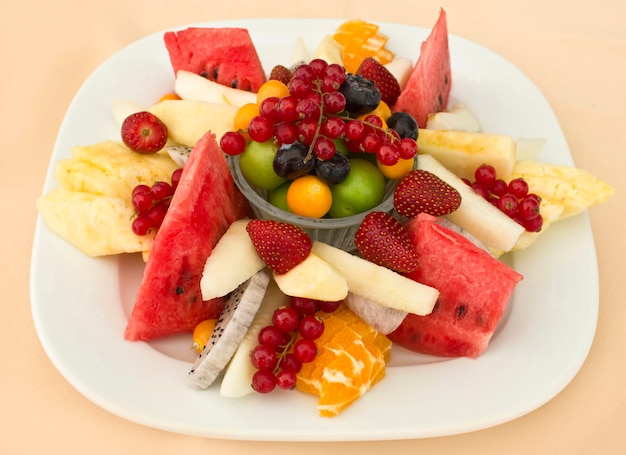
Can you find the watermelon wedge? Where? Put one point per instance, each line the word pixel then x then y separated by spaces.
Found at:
pixel 474 290
pixel 224 55
pixel 205 203
pixel 428 88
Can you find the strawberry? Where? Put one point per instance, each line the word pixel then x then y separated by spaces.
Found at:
pixel 144 132
pixel 386 82
pixel 282 246
pixel 383 240
pixel 281 73
pixel 421 191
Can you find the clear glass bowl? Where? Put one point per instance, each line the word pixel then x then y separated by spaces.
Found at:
pixel 338 232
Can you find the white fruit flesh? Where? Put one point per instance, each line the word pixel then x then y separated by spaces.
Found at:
pixel 238 374
pixel 122 108
pixel 313 278
pixel 233 260
pixel 299 54
pixel 191 86
pixel 329 50
pixel 378 283
pixel 401 69
pixel 462 152
pixel 458 118
pixel 230 329
pixel 475 214
pixel 188 120
pixel 382 318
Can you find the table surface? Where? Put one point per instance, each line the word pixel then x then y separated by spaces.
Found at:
pixel 575 52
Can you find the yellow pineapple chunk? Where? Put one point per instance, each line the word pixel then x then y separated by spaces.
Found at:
pixel 462 151
pixel 574 189
pixel 564 190
pixel 95 224
pixel 110 168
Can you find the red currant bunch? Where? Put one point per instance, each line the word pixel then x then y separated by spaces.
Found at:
pixel 513 198
pixel 288 343
pixel 151 203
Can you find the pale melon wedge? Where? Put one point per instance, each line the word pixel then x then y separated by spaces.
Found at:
pixel 187 120
pixel 233 260
pixel 378 283
pixel 237 380
pixel 475 214
pixel 191 86
pixel 313 278
pixel 462 151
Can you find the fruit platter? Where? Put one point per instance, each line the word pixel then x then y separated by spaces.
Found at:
pixel 82 304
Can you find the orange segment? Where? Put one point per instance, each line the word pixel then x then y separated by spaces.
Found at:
pixel 351 360
pixel 360 39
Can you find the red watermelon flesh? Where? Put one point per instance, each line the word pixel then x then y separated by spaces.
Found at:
pixel 428 88
pixel 474 290
pixel 205 203
pixel 224 55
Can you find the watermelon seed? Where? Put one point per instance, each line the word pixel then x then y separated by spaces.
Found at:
pixel 460 311
pixel 179 290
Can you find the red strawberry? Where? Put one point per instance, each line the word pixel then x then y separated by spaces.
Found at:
pixel 421 191
pixel 144 132
pixel 383 240
pixel 281 73
pixel 282 246
pixel 386 82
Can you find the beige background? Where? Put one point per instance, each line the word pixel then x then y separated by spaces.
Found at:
pixel 574 50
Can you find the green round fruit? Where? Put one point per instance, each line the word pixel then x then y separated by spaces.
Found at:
pixel 257 165
pixel 278 196
pixel 362 190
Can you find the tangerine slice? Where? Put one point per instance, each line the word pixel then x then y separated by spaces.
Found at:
pixel 351 360
pixel 360 39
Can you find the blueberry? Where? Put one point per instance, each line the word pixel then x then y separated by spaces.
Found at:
pixel 404 124
pixel 334 170
pixel 362 95
pixel 291 161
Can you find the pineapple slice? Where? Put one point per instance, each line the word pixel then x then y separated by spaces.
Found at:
pixel 462 151
pixel 110 168
pixel 564 190
pixel 572 188
pixel 95 224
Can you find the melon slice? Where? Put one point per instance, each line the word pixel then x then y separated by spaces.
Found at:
pixel 428 87
pixel 474 289
pixel 205 204
pixel 223 54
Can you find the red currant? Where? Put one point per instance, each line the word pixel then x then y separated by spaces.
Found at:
pixel 271 336
pixel 286 319
pixel 311 327
pixel 518 187
pixel 485 175
pixel 286 379
pixel 508 204
pixel 329 307
pixel 232 143
pixel 324 148
pixel 263 357
pixel 304 306
pixel 141 224
pixel 305 350
pixel 499 187
pixel 261 129
pixel 263 381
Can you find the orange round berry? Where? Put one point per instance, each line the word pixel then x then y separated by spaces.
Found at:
pixel 243 116
pixel 309 196
pixel 398 170
pixel 271 88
